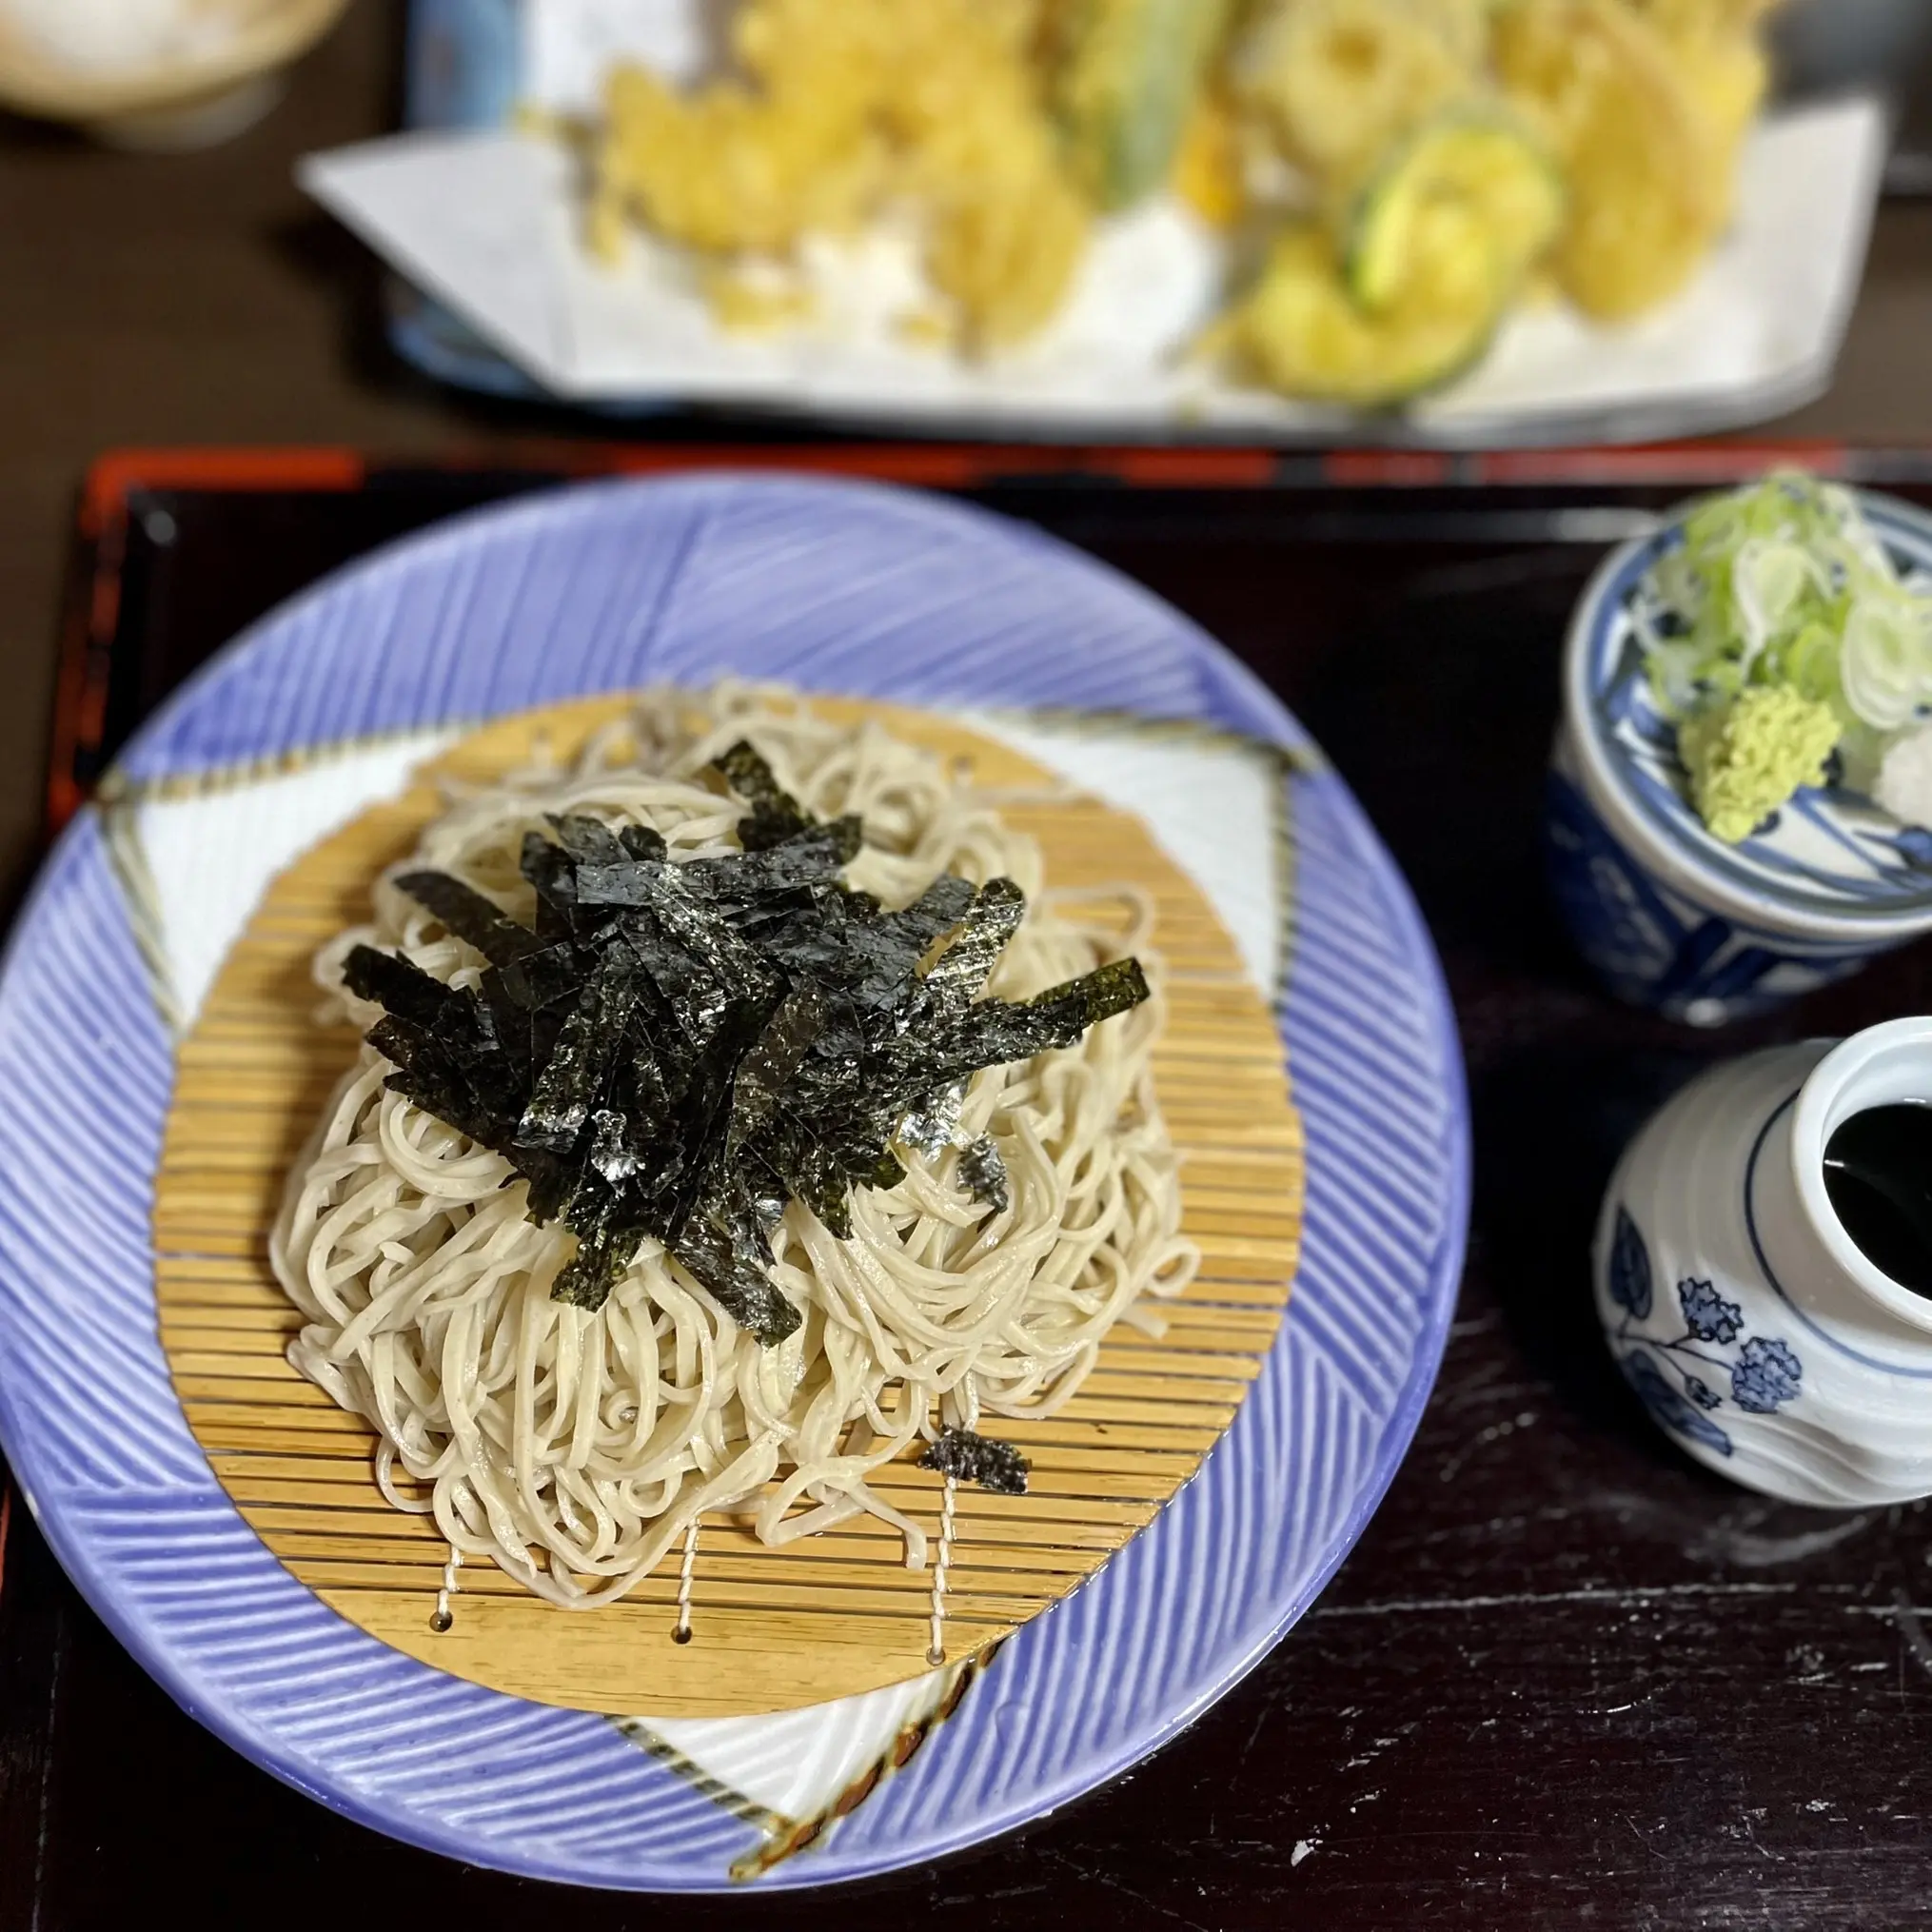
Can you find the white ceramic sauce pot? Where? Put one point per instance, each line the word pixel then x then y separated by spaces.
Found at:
pixel 1756 1333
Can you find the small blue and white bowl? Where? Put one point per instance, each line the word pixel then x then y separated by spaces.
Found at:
pixel 1667 916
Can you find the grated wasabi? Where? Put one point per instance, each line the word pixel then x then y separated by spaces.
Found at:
pixel 1746 758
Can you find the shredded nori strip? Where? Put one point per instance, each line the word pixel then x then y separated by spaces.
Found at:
pixel 469 916
pixel 775 815
pixel 675 1048
pixel 968 1458
pixel 984 1173
pixel 987 924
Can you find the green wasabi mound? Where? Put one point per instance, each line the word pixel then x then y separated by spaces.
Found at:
pixel 1746 758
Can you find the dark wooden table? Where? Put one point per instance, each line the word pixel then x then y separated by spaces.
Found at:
pixel 1566 1679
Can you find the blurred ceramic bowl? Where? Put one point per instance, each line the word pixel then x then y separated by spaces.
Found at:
pixel 1669 916
pixel 167 75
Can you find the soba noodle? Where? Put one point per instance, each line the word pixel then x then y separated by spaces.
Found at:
pixel 574 1449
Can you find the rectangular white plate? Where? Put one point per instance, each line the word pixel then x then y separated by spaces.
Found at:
pixel 488 223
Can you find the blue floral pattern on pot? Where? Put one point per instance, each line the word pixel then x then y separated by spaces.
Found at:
pixel 1654 947
pixel 1674 1375
pixel 1741 1314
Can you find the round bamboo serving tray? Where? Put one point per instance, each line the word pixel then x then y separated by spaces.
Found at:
pixel 763 1630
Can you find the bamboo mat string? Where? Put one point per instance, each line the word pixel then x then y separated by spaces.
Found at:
pixel 943 1562
pixel 445 1618
pixel 681 1631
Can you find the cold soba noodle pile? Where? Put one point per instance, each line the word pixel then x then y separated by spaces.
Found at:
pixel 560 1254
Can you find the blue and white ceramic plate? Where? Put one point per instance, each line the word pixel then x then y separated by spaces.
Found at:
pixel 1830 853
pixel 1670 917
pixel 835 587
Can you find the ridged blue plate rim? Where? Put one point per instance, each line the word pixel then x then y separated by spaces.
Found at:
pixel 838 587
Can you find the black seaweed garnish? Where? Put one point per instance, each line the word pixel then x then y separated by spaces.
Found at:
pixel 775 815
pixel 968 1458
pixel 984 1173
pixel 674 1048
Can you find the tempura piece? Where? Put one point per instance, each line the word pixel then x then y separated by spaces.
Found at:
pixel 1647 173
pixel 1339 81
pixel 1719 54
pixel 1439 245
pixel 727 170
pixel 1005 250
pixel 1686 20
pixel 1299 329
pixel 1127 76
pixel 1473 171
pixel 1006 226
pixel 1209 173
pixel 843 110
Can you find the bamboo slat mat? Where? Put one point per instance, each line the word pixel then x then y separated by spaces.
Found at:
pixel 769 1629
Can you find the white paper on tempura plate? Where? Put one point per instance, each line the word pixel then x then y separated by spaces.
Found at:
pixel 489 225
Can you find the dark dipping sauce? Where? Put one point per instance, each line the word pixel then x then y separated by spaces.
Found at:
pixel 1878 1171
